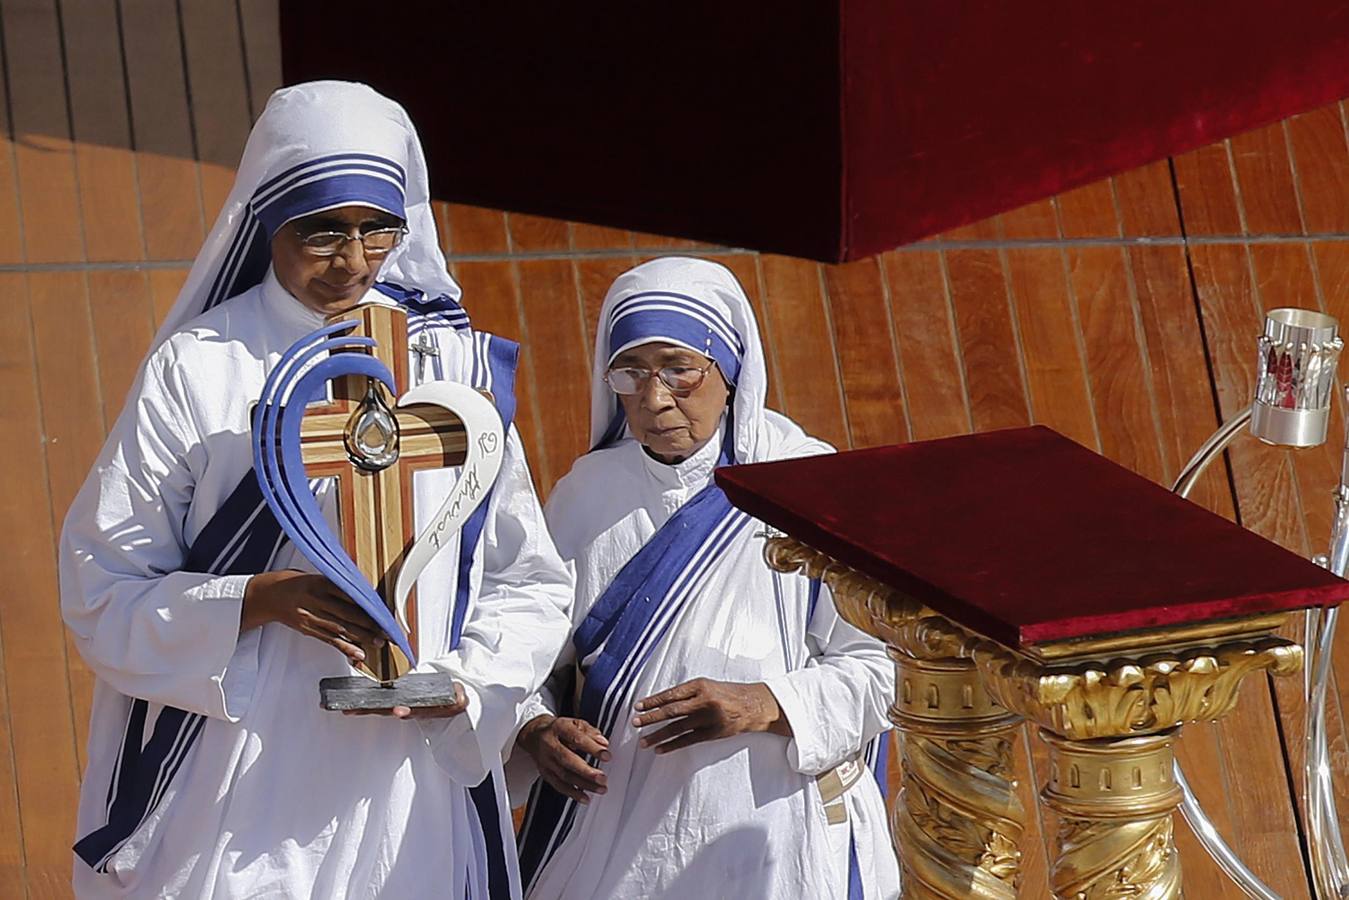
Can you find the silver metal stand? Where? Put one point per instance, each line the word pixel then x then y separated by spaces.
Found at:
pixel 1330 864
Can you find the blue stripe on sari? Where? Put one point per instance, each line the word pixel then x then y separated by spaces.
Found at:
pixel 877 756
pixel 499 375
pixel 814 598
pixel 341 185
pixel 880 763
pixel 417 303
pixel 306 168
pixel 725 531
pixel 245 265
pixel 494 837
pixel 240 538
pixel 243 537
pixel 250 253
pixel 855 891
pixel 622 620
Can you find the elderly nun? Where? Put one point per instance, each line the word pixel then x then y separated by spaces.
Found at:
pixel 711 730
pixel 212 771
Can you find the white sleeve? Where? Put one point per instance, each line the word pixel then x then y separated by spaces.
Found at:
pixel 515 630
pixel 521 770
pixel 144 626
pixel 839 700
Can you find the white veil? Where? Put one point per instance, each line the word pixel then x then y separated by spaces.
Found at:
pixel 682 280
pixel 308 133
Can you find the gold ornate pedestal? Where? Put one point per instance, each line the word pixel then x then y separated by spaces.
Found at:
pixel 1110 729
pixel 1110 710
pixel 958 822
pixel 1114 800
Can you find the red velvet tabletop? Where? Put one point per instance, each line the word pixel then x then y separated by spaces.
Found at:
pixel 1026 537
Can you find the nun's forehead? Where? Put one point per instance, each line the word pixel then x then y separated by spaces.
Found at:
pixel 661 348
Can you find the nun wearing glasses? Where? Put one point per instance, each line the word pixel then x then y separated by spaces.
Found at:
pixel 715 729
pixel 212 771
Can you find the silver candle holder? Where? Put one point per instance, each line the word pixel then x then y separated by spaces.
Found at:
pixel 1295 378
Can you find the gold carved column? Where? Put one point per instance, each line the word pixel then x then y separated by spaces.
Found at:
pixel 1110 710
pixel 959 821
pixel 1111 726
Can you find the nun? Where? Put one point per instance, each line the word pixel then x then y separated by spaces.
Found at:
pixel 212 771
pixel 715 728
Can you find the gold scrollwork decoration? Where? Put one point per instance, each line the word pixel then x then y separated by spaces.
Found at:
pixel 1131 697
pixel 862 601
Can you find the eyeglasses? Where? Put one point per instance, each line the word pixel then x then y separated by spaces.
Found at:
pixel 681 380
pixel 329 243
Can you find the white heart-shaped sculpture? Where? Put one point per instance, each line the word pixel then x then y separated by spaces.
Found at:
pixel 486 449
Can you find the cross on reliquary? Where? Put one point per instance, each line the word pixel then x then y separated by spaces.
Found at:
pixel 375 512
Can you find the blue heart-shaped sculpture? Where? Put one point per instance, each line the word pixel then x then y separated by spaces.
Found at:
pixel 290 387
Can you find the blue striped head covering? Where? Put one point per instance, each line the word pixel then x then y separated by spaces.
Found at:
pixel 329 182
pixel 318 146
pixel 693 303
pixel 675 318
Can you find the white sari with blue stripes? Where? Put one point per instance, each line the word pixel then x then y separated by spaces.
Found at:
pixel 212 771
pixel 672 586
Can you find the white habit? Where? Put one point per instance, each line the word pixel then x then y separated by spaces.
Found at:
pixel 255 791
pixel 741 817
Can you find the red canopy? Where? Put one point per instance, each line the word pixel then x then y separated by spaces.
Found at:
pixel 825 130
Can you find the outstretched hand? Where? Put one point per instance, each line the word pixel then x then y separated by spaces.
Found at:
pixel 559 747
pixel 313 606
pixel 706 710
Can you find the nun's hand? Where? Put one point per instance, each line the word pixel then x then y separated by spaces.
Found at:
pixel 311 605
pixel 706 710
pixel 559 747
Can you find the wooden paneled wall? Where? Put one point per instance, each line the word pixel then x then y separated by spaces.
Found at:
pixel 1122 314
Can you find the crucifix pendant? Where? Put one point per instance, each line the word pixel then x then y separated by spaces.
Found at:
pixel 425 348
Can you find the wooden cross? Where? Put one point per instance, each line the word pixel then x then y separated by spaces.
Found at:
pixel 375 512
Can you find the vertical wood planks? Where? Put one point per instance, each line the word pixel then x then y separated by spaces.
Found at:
pixel 262 49
pixel 1207 190
pixel 11 224
pixel 161 127
pixel 475 231
pixel 1321 166
pixel 1047 325
pixel 123 322
pixel 931 371
pixel 218 96
pixel 988 346
pixel 105 165
pixel 42 737
pixel 796 317
pixel 48 192
pixel 553 318
pixel 865 345
pixel 1264 179
pixel 491 295
pixel 16 381
pixel 72 426
pixel 538 234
